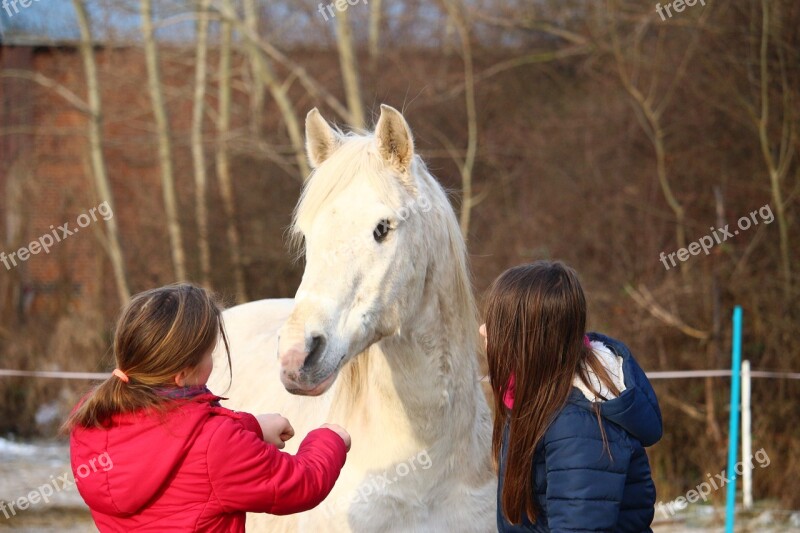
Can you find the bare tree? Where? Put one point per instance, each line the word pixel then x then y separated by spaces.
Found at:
pixel 456 15
pixel 766 107
pixel 164 142
pixel 223 160
pixel 111 240
pixel 198 151
pixel 777 159
pixel 313 87
pixel 264 75
pixel 257 90
pixel 349 66
pixel 650 99
pixel 649 106
pixel 649 118
pixel 376 11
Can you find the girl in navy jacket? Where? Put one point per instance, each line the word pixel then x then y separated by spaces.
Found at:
pixel 574 412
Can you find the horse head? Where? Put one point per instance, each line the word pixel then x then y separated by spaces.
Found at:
pixel 366 223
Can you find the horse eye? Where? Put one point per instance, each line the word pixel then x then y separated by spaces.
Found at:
pixel 381 231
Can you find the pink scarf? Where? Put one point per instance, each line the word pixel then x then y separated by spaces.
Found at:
pixel 508 395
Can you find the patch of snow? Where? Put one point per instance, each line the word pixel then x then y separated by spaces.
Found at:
pixel 9 448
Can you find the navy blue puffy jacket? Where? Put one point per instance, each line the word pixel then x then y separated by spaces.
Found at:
pixel 577 486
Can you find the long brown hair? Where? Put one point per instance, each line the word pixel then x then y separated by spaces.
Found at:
pixel 535 324
pixel 158 334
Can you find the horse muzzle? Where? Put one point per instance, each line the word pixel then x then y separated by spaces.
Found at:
pixel 302 368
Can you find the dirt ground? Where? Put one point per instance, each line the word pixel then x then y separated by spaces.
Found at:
pixel 27 467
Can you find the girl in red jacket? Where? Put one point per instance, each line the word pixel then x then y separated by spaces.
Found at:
pixel 152 450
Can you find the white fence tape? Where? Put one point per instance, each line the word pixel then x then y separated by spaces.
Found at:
pixel 679 374
pixel 673 374
pixel 719 373
pixel 54 374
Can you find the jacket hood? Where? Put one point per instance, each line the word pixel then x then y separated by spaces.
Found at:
pixel 636 409
pixel 108 463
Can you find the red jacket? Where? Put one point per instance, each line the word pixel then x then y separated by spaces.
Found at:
pixel 199 468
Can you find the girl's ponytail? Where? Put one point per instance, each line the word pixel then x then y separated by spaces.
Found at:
pixel 107 399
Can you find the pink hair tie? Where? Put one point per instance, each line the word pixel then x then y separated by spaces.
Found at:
pixel 121 375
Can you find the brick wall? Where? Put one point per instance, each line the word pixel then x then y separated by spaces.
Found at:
pixel 50 160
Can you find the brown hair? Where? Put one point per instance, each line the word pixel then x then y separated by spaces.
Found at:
pixel 535 324
pixel 159 333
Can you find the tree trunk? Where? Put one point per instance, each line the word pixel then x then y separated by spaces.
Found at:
pixel 102 186
pixel 259 82
pixel 263 73
pixel 374 35
pixel 198 151
pixel 349 65
pixel 314 88
pixel 649 114
pixel 467 200
pixel 223 162
pixel 776 168
pixel 164 142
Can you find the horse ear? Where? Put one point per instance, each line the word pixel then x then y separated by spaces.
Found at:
pixel 321 139
pixel 395 143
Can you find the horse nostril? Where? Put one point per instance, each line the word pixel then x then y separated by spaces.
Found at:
pixel 315 350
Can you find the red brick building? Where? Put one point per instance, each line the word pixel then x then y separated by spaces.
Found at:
pixel 42 176
pixel 46 176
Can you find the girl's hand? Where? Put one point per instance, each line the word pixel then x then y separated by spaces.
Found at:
pixel 339 430
pixel 276 429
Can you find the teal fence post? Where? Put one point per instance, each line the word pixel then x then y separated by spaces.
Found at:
pixel 733 431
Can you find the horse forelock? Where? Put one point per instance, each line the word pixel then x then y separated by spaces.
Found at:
pixel 356 159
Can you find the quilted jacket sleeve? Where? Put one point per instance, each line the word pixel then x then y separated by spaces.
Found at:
pixel 584 485
pixel 248 474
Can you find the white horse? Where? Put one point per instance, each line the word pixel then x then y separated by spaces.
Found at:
pixel 386 305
